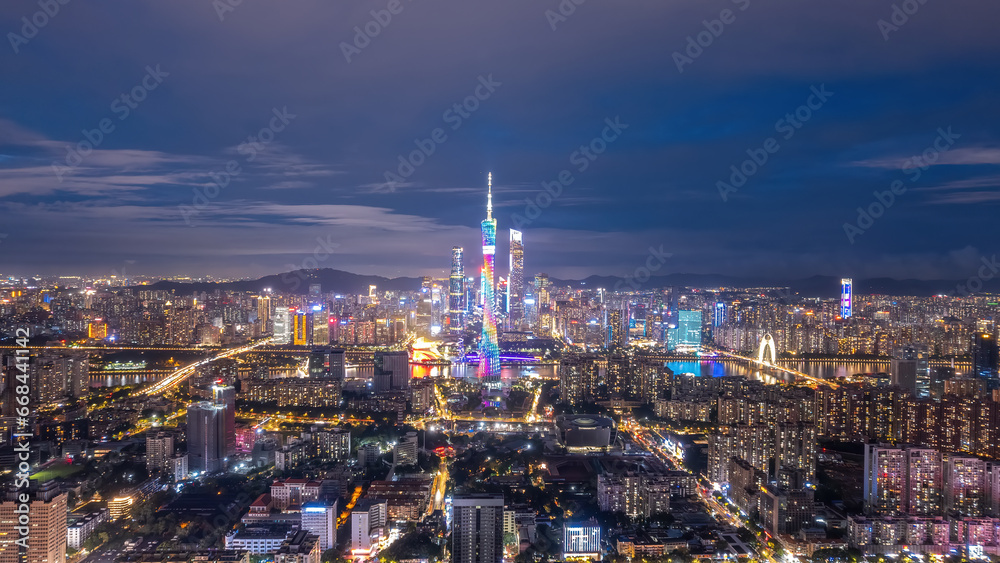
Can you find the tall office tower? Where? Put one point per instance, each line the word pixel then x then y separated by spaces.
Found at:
pixel 264 311
pixel 321 520
pixel 617 336
pixel 502 299
pixel 224 396
pixel 720 314
pixel 46 526
pixel 686 337
pixel 301 328
pixel 282 326
pixel 369 518
pixel 159 449
pixel 515 283
pixel 478 529
pixel 456 291
pixel 985 355
pixel 846 298
pixel 489 347
pixel 206 437
pixel 320 326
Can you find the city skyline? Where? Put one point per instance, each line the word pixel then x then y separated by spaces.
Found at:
pixel 325 151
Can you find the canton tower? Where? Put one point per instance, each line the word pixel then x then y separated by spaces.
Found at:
pixel 489 349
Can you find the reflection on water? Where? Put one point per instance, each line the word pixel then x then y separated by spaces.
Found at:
pixel 510 374
pixel 821 370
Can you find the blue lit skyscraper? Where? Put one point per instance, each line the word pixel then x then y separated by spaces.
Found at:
pixel 720 314
pixel 686 337
pixel 846 297
pixel 489 348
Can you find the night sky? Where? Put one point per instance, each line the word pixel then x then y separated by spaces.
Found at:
pixel 211 75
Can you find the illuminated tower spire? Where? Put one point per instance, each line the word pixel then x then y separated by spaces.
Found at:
pixel 489 349
pixel 489 197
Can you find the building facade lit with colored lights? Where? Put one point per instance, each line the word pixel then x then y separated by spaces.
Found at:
pixel 489 348
pixel 846 297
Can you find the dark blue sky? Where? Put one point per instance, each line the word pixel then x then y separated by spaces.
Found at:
pixel 323 174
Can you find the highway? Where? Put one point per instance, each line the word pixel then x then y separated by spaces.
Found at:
pixel 183 373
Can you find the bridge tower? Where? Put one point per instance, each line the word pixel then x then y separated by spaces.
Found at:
pixel 767 344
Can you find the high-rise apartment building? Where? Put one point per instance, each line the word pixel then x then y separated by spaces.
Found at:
pixel 903 480
pixel 46 526
pixel 159 449
pixel 477 535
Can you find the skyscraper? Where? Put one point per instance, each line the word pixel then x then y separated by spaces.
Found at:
pixel 985 355
pixel 489 348
pixel 282 325
pixel 478 529
pixel 687 335
pixel 515 283
pixel 206 436
pixel 846 297
pixel 616 336
pixel 456 291
pixel 224 396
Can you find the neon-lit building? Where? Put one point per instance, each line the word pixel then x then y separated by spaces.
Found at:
pixel 582 540
pixel 489 348
pixel 846 297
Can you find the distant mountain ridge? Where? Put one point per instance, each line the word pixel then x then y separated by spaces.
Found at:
pixel 339 281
